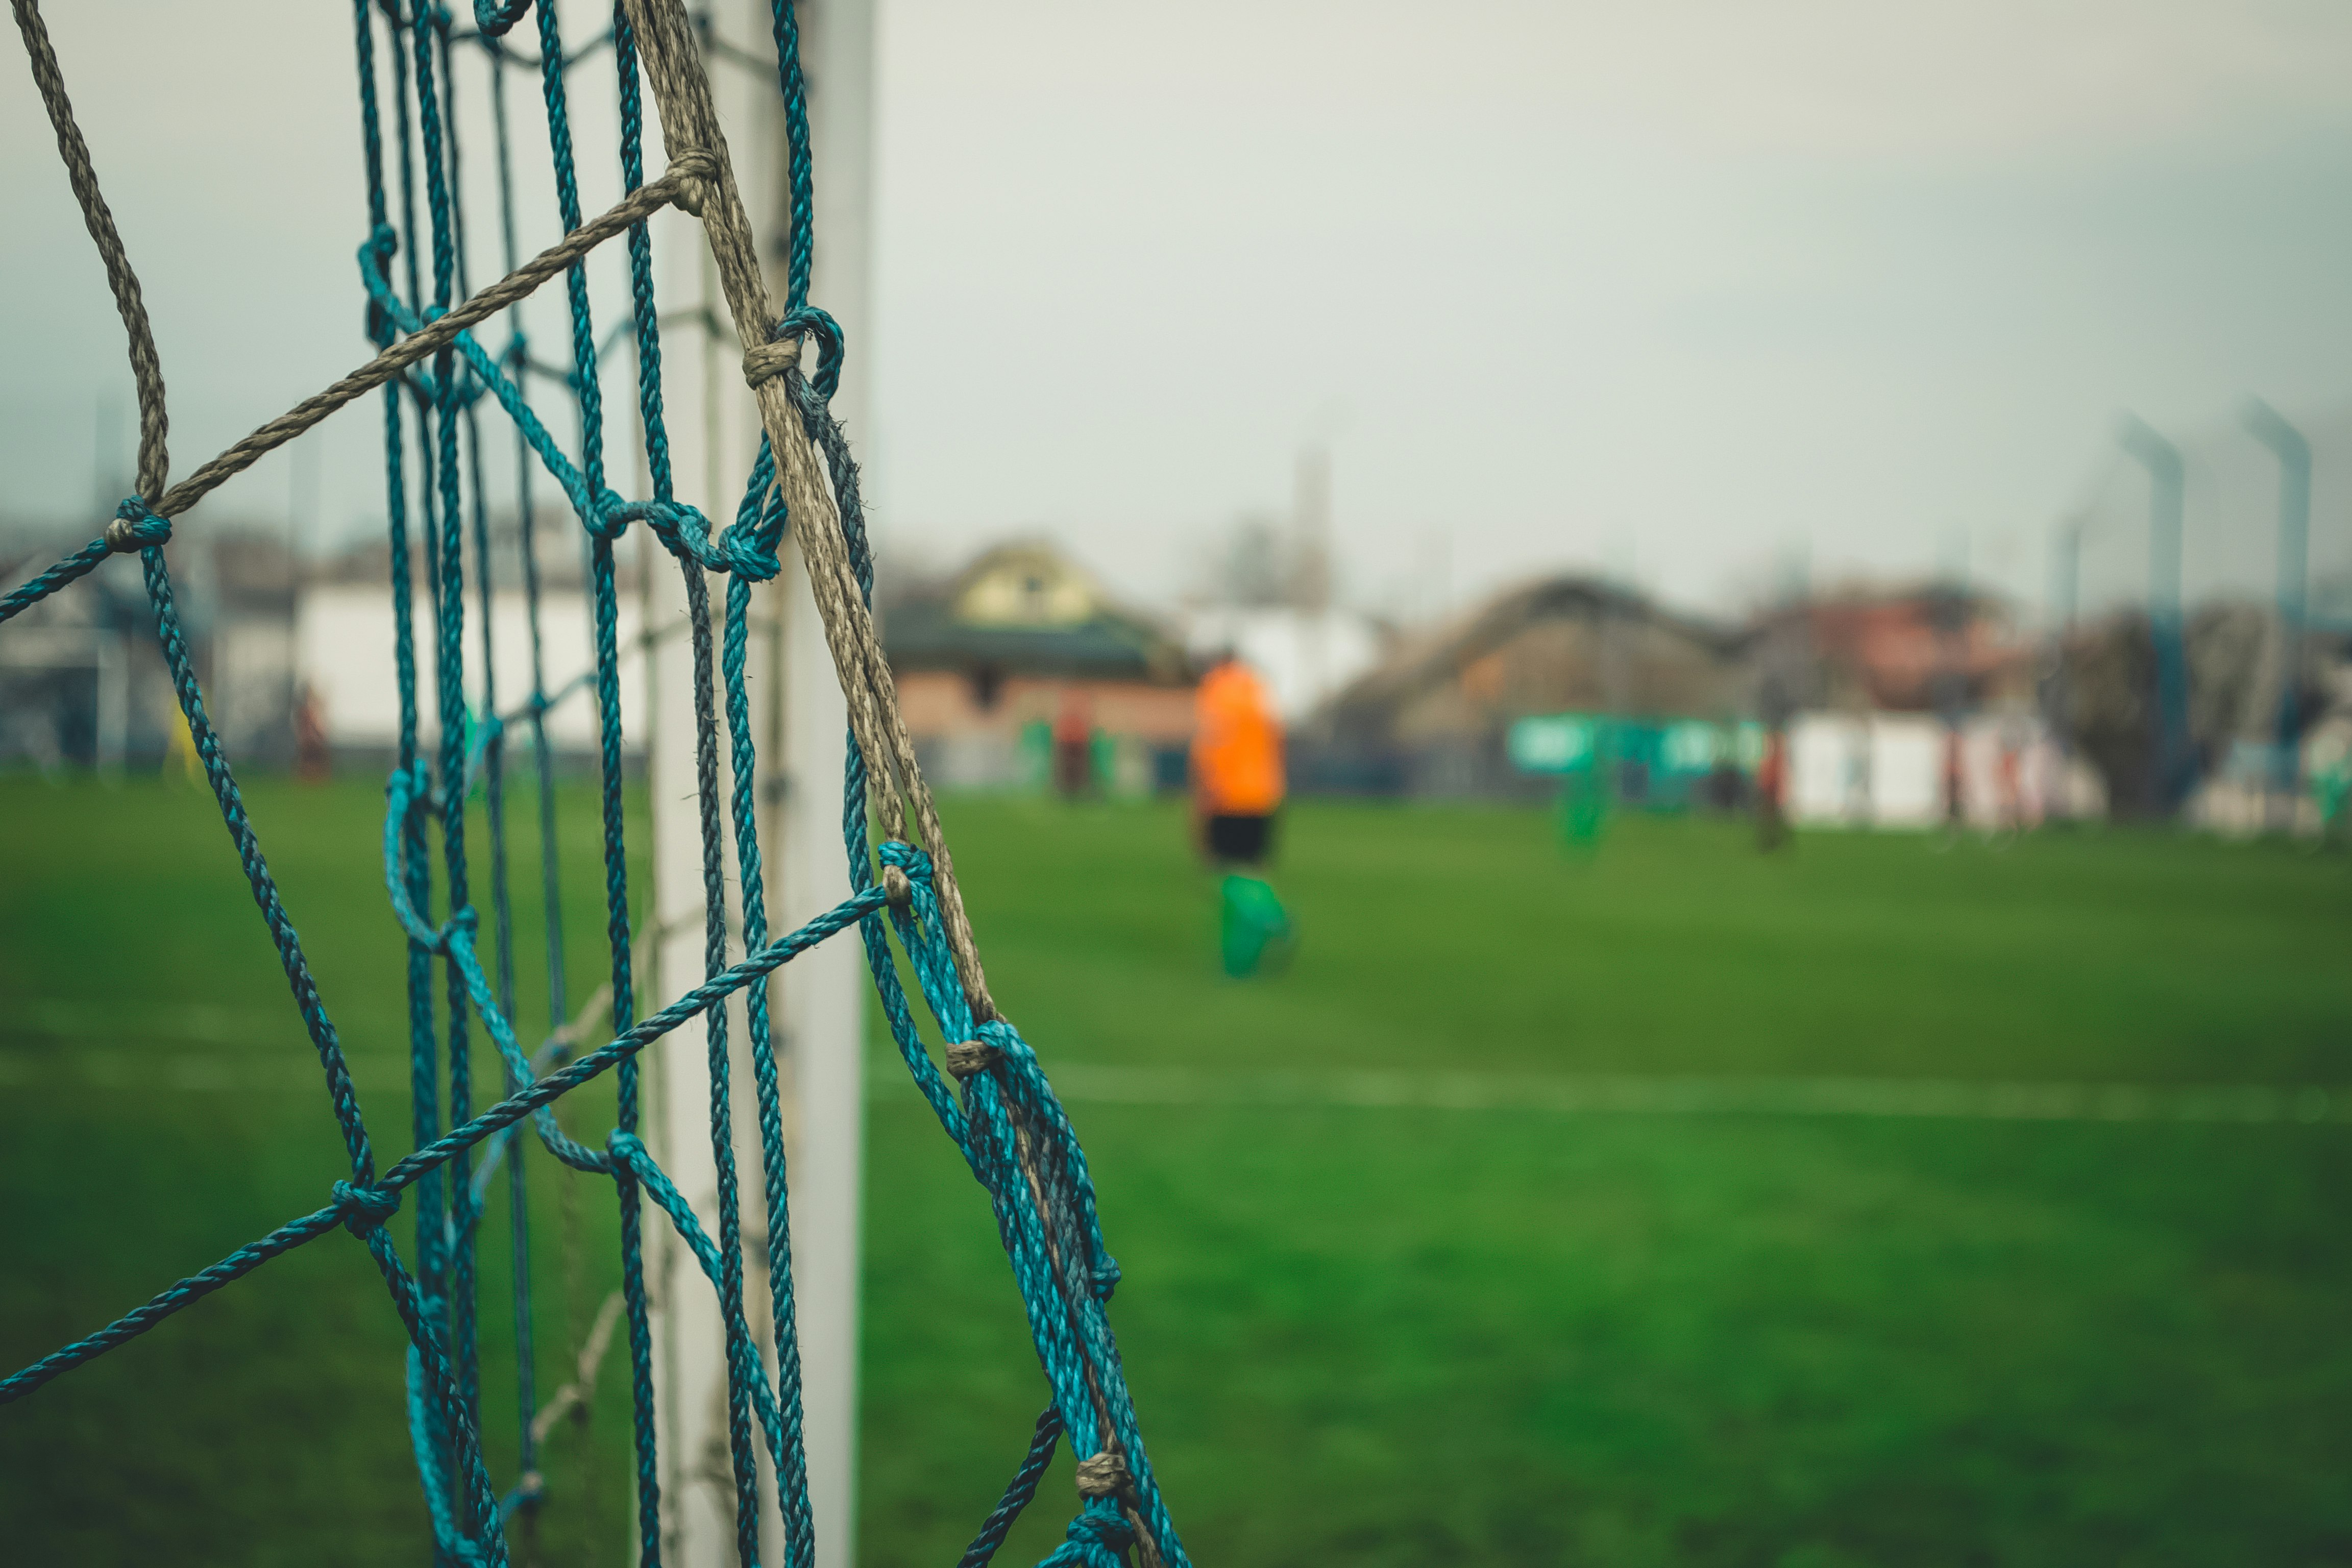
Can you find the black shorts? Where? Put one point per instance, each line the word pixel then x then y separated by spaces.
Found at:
pixel 1241 840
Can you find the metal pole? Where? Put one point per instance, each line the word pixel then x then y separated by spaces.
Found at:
pixel 1311 572
pixel 2294 453
pixel 2066 572
pixel 2170 762
pixel 2065 588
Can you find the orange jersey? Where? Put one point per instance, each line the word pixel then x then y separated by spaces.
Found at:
pixel 1236 743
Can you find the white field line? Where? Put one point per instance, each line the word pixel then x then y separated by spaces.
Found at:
pixel 1632 1095
pixel 163 1068
pixel 79 1054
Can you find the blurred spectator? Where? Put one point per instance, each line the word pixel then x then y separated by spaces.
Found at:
pixel 1074 744
pixel 1771 792
pixel 312 761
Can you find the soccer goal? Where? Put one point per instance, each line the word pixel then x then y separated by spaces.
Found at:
pixel 792 833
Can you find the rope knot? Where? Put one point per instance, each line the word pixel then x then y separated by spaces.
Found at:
pixel 968 1059
pixel 684 532
pixel 1104 1475
pixel 609 517
pixel 1005 1040
pixel 742 551
pixel 897 888
pixel 907 857
pixel 770 360
pixel 773 358
pixel 410 789
pixel 494 18
pixel 135 528
pixel 376 252
pixel 465 922
pixel 365 1208
pixel 692 168
pixel 625 1146
pixel 682 529
pixel 1095 1539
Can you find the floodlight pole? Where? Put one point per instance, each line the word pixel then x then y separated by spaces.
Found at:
pixel 2065 588
pixel 2294 453
pixel 2169 757
pixel 799 724
pixel 2066 572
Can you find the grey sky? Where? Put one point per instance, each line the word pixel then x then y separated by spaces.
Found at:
pixel 1668 288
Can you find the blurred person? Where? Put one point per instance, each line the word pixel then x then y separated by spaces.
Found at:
pixel 1584 792
pixel 312 761
pixel 1772 791
pixel 180 752
pixel 1237 789
pixel 1857 772
pixel 2331 790
pixel 1074 744
pixel 1956 792
pixel 2009 779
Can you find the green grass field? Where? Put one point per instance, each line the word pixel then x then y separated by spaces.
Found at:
pixel 1363 1334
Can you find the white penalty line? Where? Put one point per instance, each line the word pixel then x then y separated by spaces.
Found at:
pixel 1555 1094
pixel 1562 1094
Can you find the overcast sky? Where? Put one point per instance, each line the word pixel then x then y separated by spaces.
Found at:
pixel 1681 290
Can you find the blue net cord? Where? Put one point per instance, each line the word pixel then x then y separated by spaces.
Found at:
pixel 1006 1122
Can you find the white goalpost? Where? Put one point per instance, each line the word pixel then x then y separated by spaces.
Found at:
pixel 800 723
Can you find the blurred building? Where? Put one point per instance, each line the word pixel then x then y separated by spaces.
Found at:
pixel 83 685
pixel 345 643
pixel 1912 707
pixel 1435 715
pixel 1021 643
pixel 1933 650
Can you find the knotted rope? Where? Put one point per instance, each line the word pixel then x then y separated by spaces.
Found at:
pixel 436 379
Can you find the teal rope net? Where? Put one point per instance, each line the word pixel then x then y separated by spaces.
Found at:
pixel 440 385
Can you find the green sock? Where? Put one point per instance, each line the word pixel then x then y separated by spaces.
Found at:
pixel 1254 926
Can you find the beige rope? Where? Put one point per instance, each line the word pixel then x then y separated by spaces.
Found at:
pixel 681 94
pixel 679 182
pixel 639 206
pixel 146 368
pixel 583 1373
pixel 966 1057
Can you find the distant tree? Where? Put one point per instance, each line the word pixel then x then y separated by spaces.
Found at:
pixel 1249 565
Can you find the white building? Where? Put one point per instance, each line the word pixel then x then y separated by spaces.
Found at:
pixel 1888 771
pixel 343 635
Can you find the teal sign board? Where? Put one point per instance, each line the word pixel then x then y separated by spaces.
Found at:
pixel 1657 762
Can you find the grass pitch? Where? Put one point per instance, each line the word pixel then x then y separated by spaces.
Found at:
pixel 1384 1335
